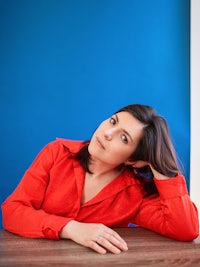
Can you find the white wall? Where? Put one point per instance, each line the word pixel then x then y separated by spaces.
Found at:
pixel 195 103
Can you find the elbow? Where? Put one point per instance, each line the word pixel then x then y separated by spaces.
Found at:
pixel 8 219
pixel 5 216
pixel 186 233
pixel 187 228
pixel 190 230
pixel 190 235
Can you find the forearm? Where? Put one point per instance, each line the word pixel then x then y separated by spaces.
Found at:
pixel 29 222
pixel 159 176
pixel 172 213
pixel 67 229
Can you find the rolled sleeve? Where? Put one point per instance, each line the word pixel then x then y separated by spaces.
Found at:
pixel 172 187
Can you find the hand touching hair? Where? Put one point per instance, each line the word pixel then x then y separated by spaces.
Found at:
pixel 155 146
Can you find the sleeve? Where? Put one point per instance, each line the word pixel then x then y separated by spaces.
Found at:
pixel 172 213
pixel 22 213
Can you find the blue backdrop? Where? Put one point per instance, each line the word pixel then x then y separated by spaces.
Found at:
pixel 67 65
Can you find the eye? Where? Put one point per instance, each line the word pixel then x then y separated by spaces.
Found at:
pixel 112 121
pixel 124 139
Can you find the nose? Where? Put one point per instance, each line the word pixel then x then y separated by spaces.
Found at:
pixel 108 134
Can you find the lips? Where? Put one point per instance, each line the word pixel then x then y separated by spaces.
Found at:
pixel 99 143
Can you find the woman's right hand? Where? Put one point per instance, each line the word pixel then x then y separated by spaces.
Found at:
pixel 98 237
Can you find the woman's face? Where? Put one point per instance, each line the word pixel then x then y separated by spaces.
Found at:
pixel 116 139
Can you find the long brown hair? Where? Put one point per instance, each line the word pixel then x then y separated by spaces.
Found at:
pixel 155 147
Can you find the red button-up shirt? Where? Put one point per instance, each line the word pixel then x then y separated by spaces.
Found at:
pixel 50 193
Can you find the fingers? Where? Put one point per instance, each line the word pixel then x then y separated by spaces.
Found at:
pixel 95 236
pixel 139 164
pixel 114 238
pixel 111 244
pixel 121 242
pixel 109 241
pixel 96 247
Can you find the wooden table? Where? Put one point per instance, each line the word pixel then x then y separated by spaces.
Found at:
pixel 145 249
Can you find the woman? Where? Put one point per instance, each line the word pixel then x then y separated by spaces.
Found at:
pixel 127 173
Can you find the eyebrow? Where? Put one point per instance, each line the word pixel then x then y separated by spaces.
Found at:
pixel 117 119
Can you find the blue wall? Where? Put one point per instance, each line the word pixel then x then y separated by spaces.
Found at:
pixel 67 65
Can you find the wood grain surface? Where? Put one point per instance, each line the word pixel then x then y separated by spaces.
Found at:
pixel 145 249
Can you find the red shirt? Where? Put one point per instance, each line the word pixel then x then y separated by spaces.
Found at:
pixel 50 193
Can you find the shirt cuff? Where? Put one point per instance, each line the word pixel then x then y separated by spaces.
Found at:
pixel 172 187
pixel 53 225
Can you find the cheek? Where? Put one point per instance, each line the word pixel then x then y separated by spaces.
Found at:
pixel 122 151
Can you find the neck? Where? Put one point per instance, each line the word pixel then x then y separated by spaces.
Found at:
pixel 101 169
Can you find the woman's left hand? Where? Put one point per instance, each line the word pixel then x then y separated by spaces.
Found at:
pixel 156 174
pixel 139 164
